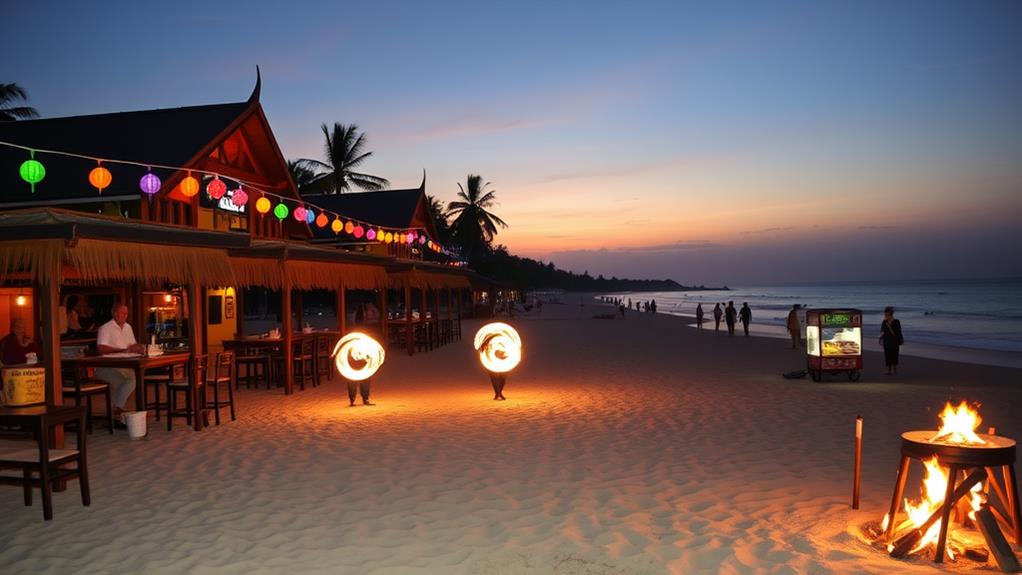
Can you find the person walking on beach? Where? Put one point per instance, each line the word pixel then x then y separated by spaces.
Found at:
pixel 730 315
pixel 699 315
pixel 794 327
pixel 892 339
pixel 717 313
pixel 621 308
pixel 652 306
pixel 745 315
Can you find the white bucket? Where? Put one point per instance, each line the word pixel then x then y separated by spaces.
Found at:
pixel 136 421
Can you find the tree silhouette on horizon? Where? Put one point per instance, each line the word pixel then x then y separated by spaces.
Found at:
pixel 343 152
pixel 11 94
pixel 474 226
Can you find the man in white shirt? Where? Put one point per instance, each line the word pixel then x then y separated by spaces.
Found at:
pixel 116 336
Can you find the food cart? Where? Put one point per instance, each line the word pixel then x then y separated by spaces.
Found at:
pixel 834 342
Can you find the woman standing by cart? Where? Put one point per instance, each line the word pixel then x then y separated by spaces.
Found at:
pixel 891 339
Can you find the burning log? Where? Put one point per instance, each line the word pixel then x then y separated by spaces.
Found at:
pixel 904 545
pixel 996 542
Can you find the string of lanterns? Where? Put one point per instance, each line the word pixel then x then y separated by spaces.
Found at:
pixel 32 171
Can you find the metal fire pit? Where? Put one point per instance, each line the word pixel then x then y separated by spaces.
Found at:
pixel 996 452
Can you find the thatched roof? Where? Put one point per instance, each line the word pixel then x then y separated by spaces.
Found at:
pixel 97 249
pixel 307 267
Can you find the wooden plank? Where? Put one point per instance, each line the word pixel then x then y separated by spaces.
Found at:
pixel 48 293
pixel 996 542
pixel 904 544
pixel 285 312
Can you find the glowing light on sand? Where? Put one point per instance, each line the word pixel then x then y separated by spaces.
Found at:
pixel 357 356
pixel 958 425
pixel 500 348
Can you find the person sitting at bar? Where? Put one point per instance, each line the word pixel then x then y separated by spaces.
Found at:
pixel 17 345
pixel 116 336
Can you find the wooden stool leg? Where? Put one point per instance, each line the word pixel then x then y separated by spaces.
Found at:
pixel 26 474
pixel 945 516
pixel 230 398
pixel 1011 487
pixel 899 490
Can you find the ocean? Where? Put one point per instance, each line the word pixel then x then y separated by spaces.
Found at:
pixel 968 314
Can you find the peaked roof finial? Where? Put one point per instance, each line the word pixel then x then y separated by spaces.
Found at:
pixel 259 83
pixel 422 186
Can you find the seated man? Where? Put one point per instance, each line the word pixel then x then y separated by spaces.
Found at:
pixel 16 346
pixel 116 336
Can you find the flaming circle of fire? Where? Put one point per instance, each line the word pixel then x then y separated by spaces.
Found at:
pixel 500 348
pixel 357 356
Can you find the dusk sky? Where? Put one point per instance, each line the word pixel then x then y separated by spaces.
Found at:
pixel 711 143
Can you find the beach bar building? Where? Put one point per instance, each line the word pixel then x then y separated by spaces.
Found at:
pixel 174 230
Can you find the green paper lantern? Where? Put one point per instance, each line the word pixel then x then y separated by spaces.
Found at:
pixel 280 211
pixel 33 172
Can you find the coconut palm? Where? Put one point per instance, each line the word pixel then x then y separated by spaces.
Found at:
pixel 302 174
pixel 9 94
pixel 474 226
pixel 440 218
pixel 344 151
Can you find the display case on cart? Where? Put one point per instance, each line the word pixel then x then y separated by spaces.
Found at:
pixel 834 342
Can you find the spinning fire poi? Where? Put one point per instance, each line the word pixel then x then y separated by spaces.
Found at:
pixel 357 357
pixel 500 350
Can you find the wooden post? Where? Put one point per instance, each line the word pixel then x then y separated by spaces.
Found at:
pixel 998 545
pixel 48 291
pixel 299 309
pixel 422 318
pixel 899 489
pixel 408 319
pixel 857 475
pixel 383 316
pixel 194 345
pixel 436 317
pixel 239 311
pixel 285 316
pixel 342 310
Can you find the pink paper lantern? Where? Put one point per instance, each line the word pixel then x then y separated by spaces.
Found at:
pixel 359 231
pixel 239 197
pixel 300 213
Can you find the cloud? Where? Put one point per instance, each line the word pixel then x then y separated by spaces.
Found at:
pixel 769 230
pixel 678 246
pixel 613 172
pixel 876 227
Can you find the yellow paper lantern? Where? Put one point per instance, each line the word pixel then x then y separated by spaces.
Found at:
pixel 100 178
pixel 390 238
pixel 189 186
pixel 336 226
pixel 263 205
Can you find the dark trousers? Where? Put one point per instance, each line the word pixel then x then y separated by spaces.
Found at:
pixel 359 386
pixel 745 326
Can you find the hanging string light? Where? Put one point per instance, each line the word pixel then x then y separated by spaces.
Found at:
pixel 189 186
pixel 216 188
pixel 239 197
pixel 32 170
pixel 281 211
pixel 100 177
pixel 263 205
pixel 150 183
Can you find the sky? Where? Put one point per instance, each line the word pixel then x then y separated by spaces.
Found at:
pixel 714 143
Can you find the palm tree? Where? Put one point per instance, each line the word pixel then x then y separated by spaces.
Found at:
pixel 343 153
pixel 474 226
pixel 302 174
pixel 10 93
pixel 440 219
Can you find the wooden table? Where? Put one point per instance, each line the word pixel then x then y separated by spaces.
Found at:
pixel 40 419
pixel 410 325
pixel 139 364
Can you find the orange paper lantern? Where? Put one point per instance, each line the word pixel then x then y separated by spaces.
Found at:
pixel 321 220
pixel 189 186
pixel 100 178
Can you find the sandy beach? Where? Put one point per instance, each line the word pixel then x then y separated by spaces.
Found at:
pixel 636 446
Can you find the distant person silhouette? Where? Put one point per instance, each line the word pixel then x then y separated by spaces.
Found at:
pixel 794 327
pixel 621 308
pixel 699 315
pixel 730 315
pixel 745 315
pixel 652 306
pixel 717 313
pixel 892 339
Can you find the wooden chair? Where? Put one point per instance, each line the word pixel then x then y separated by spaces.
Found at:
pixel 222 370
pixel 78 385
pixel 43 467
pixel 304 361
pixel 252 365
pixel 183 385
pixel 323 363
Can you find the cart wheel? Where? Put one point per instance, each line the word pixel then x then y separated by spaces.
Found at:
pixel 854 375
pixel 816 375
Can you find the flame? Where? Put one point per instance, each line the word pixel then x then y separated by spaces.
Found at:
pixel 958 425
pixel 500 348
pixel 357 356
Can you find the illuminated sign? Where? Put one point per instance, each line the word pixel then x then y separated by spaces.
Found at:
pixel 227 204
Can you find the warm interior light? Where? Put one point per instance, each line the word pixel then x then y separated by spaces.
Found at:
pixel 958 425
pixel 167 298
pixel 21 300
pixel 357 356
pixel 499 346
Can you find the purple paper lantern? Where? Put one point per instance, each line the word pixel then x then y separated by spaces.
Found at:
pixel 371 234
pixel 150 183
